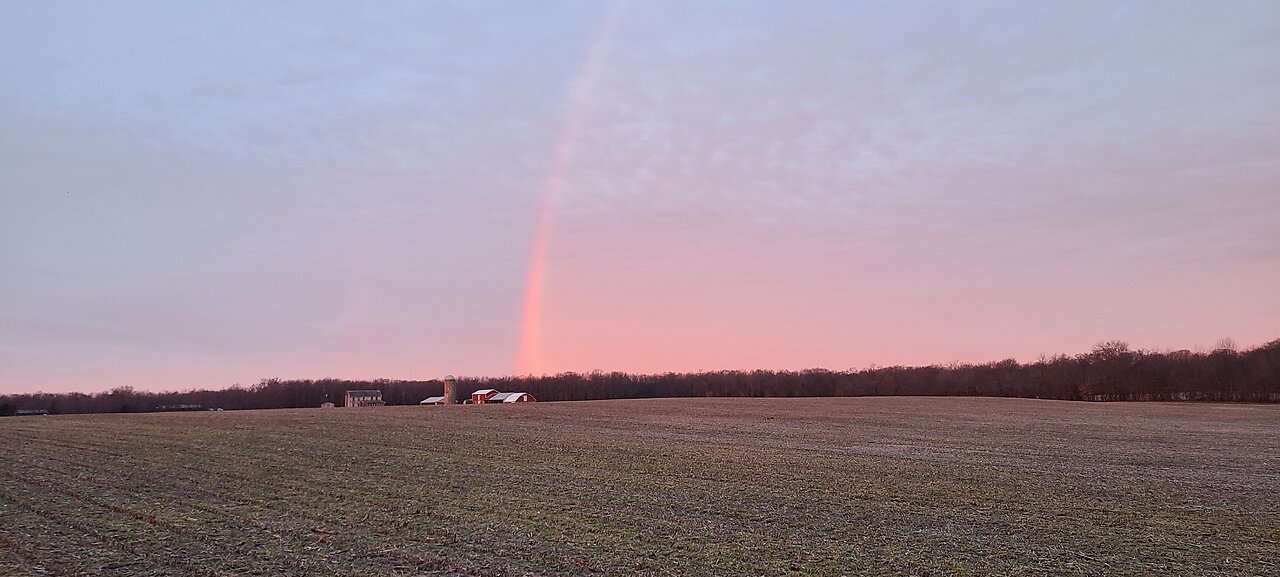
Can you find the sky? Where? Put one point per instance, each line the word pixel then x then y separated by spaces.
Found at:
pixel 194 195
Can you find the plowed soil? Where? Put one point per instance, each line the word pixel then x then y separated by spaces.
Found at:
pixel 862 486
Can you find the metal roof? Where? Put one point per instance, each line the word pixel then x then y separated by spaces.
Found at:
pixel 485 392
pixel 515 397
pixel 431 400
pixel 500 397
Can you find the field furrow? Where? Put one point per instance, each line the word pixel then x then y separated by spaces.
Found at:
pixel 705 486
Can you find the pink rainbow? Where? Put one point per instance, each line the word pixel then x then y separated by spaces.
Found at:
pixel 529 358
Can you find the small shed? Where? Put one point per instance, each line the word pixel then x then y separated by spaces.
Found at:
pixel 432 401
pixel 364 398
pixel 482 396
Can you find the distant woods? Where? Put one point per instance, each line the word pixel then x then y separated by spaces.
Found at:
pixel 1110 372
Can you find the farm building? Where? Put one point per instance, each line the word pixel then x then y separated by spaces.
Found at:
pixel 364 398
pixel 432 401
pixel 450 386
pixel 483 396
pixel 183 407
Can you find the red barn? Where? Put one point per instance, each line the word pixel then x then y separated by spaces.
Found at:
pixel 512 398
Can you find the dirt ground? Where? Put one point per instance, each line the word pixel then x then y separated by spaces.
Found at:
pixel 846 486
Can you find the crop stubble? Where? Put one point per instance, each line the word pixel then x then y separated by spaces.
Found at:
pixel 654 487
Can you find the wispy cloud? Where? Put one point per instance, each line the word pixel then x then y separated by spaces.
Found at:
pixel 198 195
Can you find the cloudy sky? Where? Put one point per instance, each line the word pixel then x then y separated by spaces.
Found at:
pixel 200 194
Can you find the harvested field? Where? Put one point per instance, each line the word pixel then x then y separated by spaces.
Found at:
pixel 850 486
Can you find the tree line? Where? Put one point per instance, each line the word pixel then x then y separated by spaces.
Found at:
pixel 1110 372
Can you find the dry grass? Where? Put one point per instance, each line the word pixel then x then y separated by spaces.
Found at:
pixel 921 486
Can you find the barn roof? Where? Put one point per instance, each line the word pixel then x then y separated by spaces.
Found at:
pixel 364 392
pixel 507 397
pixel 485 392
pixel 431 400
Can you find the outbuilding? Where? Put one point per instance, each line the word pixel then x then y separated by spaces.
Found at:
pixel 432 401
pixel 482 396
pixel 511 398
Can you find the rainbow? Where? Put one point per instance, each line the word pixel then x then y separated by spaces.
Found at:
pixel 529 357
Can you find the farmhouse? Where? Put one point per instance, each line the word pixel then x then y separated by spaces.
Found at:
pixel 484 396
pixel 364 398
